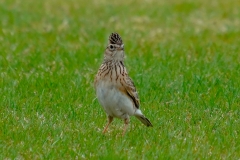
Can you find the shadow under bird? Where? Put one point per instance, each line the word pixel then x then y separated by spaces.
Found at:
pixel 115 90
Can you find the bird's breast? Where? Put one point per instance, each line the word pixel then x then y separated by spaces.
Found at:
pixel 114 102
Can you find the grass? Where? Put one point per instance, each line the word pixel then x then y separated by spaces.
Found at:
pixel 182 55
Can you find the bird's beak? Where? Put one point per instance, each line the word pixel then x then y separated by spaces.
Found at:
pixel 122 46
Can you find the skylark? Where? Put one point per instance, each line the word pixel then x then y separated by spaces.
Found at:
pixel 115 90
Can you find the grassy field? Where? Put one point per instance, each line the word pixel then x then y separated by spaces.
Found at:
pixel 183 55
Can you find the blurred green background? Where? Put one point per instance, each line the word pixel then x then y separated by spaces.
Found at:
pixel 183 56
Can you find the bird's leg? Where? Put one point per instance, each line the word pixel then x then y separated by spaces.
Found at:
pixel 110 119
pixel 126 122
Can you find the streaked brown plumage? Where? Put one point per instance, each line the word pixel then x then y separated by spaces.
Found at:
pixel 115 90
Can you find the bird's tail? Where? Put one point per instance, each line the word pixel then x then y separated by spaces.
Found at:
pixel 144 120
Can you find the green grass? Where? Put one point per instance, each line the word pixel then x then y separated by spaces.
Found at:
pixel 184 57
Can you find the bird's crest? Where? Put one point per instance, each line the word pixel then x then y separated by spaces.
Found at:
pixel 114 38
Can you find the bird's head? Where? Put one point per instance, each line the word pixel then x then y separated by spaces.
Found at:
pixel 115 48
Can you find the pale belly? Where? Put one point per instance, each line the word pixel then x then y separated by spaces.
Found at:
pixel 114 102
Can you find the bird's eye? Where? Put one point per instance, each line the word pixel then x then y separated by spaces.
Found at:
pixel 111 47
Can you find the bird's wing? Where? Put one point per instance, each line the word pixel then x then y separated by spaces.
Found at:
pixel 131 91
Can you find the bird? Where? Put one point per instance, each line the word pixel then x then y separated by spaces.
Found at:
pixel 114 88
